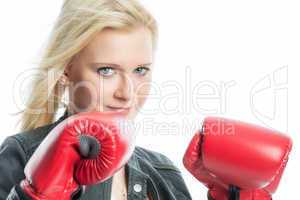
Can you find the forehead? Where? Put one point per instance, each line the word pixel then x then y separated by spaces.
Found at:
pixel 121 46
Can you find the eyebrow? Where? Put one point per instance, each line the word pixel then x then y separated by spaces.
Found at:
pixel 95 64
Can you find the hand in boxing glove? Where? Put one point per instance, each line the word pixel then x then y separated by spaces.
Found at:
pixel 84 149
pixel 237 160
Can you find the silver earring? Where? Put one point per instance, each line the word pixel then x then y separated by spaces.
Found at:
pixel 63 80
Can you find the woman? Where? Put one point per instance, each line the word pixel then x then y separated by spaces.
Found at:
pixel 100 53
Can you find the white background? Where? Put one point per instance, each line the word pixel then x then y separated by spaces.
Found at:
pixel 252 48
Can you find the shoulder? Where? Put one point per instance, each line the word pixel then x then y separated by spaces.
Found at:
pixel 15 151
pixel 156 159
pixel 26 142
pixel 31 139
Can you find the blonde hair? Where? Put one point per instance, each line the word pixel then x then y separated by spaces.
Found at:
pixel 79 21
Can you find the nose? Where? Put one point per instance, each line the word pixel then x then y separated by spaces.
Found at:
pixel 124 90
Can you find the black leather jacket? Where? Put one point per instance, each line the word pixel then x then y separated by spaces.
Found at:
pixel 147 171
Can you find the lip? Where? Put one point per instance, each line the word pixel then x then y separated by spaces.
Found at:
pixel 118 109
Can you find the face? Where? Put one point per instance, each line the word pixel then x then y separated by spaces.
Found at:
pixel 112 73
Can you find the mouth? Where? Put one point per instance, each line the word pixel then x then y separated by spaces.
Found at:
pixel 118 109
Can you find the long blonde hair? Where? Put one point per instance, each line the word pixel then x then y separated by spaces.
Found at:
pixel 79 21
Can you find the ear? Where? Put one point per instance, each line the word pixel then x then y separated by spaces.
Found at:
pixel 67 69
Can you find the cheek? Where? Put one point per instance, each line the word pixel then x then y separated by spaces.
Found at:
pixel 142 92
pixel 82 95
pixel 88 90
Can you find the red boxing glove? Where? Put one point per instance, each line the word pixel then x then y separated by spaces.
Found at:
pixel 84 149
pixel 237 160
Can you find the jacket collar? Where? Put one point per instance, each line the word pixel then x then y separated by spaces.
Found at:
pixel 64 116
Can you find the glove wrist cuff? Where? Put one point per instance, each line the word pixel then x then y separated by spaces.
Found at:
pixel 29 190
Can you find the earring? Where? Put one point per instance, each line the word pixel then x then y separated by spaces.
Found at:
pixel 63 80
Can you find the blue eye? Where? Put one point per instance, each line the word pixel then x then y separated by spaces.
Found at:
pixel 105 71
pixel 142 70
